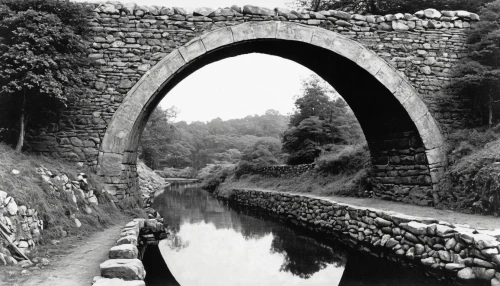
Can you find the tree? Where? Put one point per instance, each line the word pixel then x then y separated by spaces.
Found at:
pixel 157 134
pixel 43 60
pixel 318 120
pixel 477 75
pixel 382 7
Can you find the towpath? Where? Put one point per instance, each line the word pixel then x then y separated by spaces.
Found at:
pixel 478 222
pixel 78 265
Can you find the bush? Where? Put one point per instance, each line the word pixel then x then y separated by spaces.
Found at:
pixel 464 142
pixel 472 181
pixel 347 160
pixel 214 175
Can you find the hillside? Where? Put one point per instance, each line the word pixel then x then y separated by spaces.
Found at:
pixel 44 200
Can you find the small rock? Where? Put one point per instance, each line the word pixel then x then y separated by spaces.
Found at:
pixel 25 263
pixel 15 172
pixel 432 14
pixel 466 274
pixel 45 261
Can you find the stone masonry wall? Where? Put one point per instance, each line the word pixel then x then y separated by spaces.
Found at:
pixel 127 40
pixel 439 247
pixel 281 171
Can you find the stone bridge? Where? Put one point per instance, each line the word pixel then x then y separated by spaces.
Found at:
pixel 390 69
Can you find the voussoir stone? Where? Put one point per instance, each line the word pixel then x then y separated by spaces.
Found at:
pixel 126 269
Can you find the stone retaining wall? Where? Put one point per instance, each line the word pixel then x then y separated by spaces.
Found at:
pixel 460 251
pixel 282 170
pixel 124 266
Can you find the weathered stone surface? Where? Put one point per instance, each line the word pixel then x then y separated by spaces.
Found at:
pixel 129 43
pixel 254 10
pixel 126 269
pixel 127 240
pixel 432 14
pixel 124 251
pixel 117 282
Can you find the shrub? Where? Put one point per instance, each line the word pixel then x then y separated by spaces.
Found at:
pixel 349 159
pixel 216 176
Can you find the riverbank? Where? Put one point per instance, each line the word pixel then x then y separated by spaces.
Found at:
pixel 443 249
pixel 476 221
pixel 75 261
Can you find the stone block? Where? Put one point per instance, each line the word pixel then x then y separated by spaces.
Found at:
pixel 126 269
pixel 294 32
pixel 218 38
pixel 192 49
pixel 124 251
pixel 127 240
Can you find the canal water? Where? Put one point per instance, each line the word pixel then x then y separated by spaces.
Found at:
pixel 213 243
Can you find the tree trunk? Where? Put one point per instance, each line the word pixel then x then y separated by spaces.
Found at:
pixel 22 126
pixel 490 111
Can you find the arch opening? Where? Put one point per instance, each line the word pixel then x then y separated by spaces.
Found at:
pixel 404 141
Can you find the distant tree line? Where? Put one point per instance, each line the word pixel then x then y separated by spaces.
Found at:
pixel 321 120
pixel 180 145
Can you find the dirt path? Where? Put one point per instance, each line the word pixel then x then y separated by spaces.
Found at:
pixel 476 221
pixel 80 265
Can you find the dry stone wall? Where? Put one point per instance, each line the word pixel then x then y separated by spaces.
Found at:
pixel 128 40
pixel 282 170
pixel 440 247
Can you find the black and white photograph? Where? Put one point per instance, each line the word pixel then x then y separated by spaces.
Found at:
pixel 250 143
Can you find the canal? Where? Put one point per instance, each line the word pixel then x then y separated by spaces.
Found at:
pixel 213 243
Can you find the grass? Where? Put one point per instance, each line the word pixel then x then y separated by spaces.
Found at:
pixel 343 172
pixel 28 188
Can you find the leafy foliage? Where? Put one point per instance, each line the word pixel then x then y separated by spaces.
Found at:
pixel 346 159
pixel 180 145
pixel 382 7
pixel 157 134
pixel 477 74
pixel 317 122
pixel 42 58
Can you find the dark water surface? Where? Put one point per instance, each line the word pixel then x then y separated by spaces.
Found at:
pixel 213 243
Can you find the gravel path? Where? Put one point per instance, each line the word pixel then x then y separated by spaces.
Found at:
pixel 80 265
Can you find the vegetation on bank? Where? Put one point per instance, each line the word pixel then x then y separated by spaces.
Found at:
pixel 63 218
pixel 472 180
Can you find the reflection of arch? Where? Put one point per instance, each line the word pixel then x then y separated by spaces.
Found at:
pixel 387 107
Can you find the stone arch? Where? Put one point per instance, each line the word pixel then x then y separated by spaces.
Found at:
pixel 324 52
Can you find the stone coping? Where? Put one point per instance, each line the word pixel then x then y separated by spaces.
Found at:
pixel 424 19
pixel 441 247
pixel 123 266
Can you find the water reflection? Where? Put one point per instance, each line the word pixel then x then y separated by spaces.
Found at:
pixel 213 244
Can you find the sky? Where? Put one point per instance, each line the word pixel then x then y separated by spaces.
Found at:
pixel 234 87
